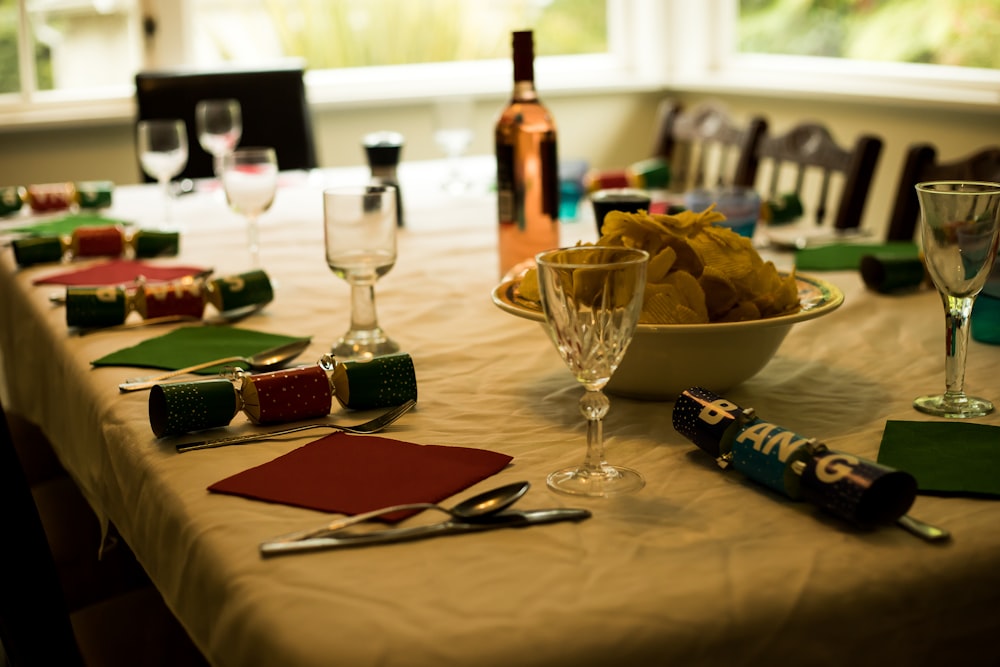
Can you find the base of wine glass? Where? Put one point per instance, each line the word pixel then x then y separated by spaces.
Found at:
pixel 954 406
pixel 364 345
pixel 608 481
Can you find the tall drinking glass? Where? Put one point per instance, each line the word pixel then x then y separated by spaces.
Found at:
pixel 250 179
pixel 592 298
pixel 220 126
pixel 959 233
pixel 162 145
pixel 360 230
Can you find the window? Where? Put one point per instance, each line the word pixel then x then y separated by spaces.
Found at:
pixel 74 60
pixel 957 33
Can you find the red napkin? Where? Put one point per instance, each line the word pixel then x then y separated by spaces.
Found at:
pixel 350 474
pixel 118 272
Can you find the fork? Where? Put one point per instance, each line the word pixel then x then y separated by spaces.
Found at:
pixel 372 426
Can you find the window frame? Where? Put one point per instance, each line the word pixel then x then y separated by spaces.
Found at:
pixel 653 45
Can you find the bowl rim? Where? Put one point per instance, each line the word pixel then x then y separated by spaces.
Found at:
pixel 817 297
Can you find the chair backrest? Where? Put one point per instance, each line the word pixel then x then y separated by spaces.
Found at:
pixel 274 108
pixel 705 147
pixel 35 627
pixel 920 165
pixel 809 150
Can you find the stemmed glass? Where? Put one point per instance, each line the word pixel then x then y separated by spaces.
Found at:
pixel 250 179
pixel 453 134
pixel 360 230
pixel 163 152
pixel 959 233
pixel 220 126
pixel 592 297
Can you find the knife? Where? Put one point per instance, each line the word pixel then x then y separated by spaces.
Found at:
pixel 508 519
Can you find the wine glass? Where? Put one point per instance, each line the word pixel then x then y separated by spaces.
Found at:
pixel 163 152
pixel 959 233
pixel 220 126
pixel 592 297
pixel 453 134
pixel 250 179
pixel 360 230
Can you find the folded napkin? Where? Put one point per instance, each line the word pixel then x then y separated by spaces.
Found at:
pixel 350 474
pixel 188 346
pixel 119 272
pixel 66 224
pixel 947 458
pixel 846 256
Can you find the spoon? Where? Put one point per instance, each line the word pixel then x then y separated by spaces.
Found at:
pixel 262 361
pixel 484 504
pixel 922 529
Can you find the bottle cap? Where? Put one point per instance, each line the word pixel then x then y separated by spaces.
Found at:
pixel 383 148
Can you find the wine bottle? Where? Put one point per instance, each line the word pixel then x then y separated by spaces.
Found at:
pixel 527 168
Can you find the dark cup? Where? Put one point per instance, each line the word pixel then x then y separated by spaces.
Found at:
pixel 627 200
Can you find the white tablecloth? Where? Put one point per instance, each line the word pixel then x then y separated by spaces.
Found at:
pixel 701 567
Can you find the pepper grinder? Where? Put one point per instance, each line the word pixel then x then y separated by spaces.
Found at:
pixel 383 150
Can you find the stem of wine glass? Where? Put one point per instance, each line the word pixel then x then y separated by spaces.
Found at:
pixel 957 313
pixel 363 316
pixel 167 199
pixel 594 406
pixel 253 241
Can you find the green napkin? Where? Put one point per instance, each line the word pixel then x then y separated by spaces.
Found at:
pixel 66 224
pixel 846 256
pixel 194 345
pixel 947 458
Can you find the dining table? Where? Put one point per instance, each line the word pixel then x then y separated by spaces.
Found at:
pixel 702 566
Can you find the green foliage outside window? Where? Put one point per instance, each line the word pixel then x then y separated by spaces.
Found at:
pixel 346 33
pixel 963 33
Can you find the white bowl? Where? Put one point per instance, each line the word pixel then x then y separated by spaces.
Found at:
pixel 665 359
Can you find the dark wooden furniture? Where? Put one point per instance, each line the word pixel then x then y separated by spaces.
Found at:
pixel 705 147
pixel 809 148
pixel 920 165
pixel 273 102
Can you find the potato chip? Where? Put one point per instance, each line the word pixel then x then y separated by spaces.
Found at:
pixel 698 272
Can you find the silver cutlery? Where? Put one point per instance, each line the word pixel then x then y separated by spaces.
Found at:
pixel 372 426
pixel 471 509
pixel 922 529
pixel 508 519
pixel 262 361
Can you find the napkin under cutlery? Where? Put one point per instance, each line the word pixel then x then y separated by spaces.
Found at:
pixel 192 345
pixel 119 272
pixel 350 474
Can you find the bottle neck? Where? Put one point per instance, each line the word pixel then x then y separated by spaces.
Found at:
pixel 524 91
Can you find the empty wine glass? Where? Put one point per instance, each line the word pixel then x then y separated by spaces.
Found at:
pixel 360 229
pixel 162 145
pixel 220 126
pixel 592 297
pixel 453 134
pixel 250 179
pixel 959 233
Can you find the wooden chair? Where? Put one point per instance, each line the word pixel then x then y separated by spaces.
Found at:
pixel 273 102
pixel 920 165
pixel 809 150
pixel 37 626
pixel 705 147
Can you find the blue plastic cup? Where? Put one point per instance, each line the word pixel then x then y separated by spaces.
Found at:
pixel 740 205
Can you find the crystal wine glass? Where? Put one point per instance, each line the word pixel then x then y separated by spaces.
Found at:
pixel 163 152
pixel 959 233
pixel 453 134
pixel 592 297
pixel 250 179
pixel 220 126
pixel 360 230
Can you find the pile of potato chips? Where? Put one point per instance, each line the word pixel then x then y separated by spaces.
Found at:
pixel 698 272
